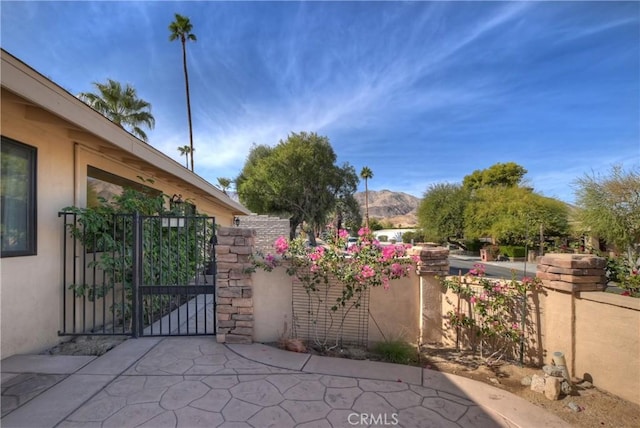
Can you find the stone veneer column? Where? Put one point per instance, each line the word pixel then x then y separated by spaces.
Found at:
pixel 564 275
pixel 434 263
pixel 234 295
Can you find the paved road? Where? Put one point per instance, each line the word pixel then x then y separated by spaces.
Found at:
pixel 493 270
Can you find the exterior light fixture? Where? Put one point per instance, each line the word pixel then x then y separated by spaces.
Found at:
pixel 236 221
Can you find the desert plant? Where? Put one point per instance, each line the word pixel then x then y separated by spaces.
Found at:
pixel 396 351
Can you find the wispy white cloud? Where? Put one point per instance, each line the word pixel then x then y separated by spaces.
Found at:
pixel 420 92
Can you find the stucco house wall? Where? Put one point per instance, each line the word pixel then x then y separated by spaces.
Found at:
pixel 69 137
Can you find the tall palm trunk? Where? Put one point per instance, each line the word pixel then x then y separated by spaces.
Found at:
pixel 366 203
pixel 186 82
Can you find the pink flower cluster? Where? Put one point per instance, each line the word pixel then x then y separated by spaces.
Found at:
pixel 367 263
pixel 281 245
pixel 478 270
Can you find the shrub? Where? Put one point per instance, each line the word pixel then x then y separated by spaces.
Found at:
pixel 395 351
pixel 417 236
pixel 473 245
pixel 512 251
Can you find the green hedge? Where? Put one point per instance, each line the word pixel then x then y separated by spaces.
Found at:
pixel 473 244
pixel 416 236
pixel 512 251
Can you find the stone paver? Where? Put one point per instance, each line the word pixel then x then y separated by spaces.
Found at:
pixel 193 382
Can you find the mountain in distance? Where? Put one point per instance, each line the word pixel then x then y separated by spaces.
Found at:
pixel 398 208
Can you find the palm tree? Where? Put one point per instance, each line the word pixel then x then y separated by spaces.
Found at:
pixel 181 29
pixel 121 106
pixel 224 183
pixel 366 174
pixel 185 151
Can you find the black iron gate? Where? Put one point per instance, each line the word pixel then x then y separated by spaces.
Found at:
pixel 138 275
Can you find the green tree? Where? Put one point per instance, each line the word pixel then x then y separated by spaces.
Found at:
pixel 508 174
pixel 441 212
pixel 366 174
pixel 224 183
pixel 609 207
pixel 510 215
pixel 181 30
pixel 121 106
pixel 375 224
pixel 297 178
pixel 346 214
pixel 185 151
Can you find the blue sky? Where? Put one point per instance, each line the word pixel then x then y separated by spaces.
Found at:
pixel 420 92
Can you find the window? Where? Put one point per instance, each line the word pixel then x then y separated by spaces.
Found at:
pixel 18 199
pixel 104 185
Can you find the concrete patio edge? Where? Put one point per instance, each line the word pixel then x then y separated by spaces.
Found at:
pixel 271 356
pixel 516 410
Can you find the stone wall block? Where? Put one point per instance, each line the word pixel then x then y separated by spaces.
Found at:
pixel 222 249
pixel 227 258
pixel 242 317
pixel 244 331
pixel 576 279
pixel 226 309
pixel 244 323
pixel 243 302
pixel 225 266
pixel 234 294
pixel 244 250
pixel 548 275
pixel 230 292
pixel 225 240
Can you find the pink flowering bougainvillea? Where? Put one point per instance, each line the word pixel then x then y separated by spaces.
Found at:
pixel 496 310
pixel 366 264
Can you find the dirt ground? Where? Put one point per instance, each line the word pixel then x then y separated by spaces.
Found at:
pixel 597 408
pixel 86 345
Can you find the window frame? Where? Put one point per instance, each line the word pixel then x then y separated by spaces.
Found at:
pixel 31 200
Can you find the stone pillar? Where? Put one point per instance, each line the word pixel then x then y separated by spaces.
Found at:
pixel 434 263
pixel 564 275
pixel 234 293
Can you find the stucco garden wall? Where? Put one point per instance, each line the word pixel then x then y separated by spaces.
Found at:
pixel 450 337
pixel 607 342
pixel 598 332
pixel 393 312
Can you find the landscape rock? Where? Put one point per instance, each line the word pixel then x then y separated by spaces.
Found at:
pixel 552 388
pixel 555 371
pixel 526 381
pixel 574 407
pixel 537 383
